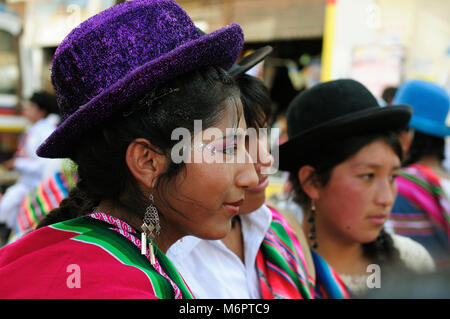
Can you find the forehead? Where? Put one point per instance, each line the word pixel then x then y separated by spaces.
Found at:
pixel 232 115
pixel 230 121
pixel 377 154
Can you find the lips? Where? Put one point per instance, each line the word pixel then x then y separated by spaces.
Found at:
pixel 233 208
pixel 261 186
pixel 378 219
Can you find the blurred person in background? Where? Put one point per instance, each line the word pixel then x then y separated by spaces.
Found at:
pixel 47 196
pixel 25 161
pixel 421 210
pixel 388 94
pixel 446 162
pixel 343 154
pixel 282 93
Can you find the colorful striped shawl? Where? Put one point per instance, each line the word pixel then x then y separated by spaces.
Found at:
pixel 106 252
pixel 328 282
pixel 44 198
pixel 47 196
pixel 419 184
pixel 281 264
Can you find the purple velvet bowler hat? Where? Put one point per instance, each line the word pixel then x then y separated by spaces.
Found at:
pixel 119 54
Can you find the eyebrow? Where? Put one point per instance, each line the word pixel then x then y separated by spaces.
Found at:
pixel 374 166
pixel 236 133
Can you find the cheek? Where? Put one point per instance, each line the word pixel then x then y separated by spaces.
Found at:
pixel 208 183
pixel 344 204
pixel 27 113
pixel 394 190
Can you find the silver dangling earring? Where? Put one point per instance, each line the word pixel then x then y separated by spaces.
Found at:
pixel 312 230
pixel 151 223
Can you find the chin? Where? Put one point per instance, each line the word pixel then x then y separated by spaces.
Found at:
pixel 252 202
pixel 214 232
pixel 369 237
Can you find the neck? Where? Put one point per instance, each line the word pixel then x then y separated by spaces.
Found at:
pixel 36 120
pixel 430 161
pixel 435 164
pixel 345 256
pixel 111 208
pixel 234 240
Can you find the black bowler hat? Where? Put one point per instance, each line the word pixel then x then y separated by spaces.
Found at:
pixel 331 111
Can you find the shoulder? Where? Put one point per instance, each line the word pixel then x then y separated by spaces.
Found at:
pixel 294 230
pixel 413 254
pixel 280 216
pixel 282 221
pixel 283 229
pixel 357 284
pixel 54 262
pixel 42 128
pixel 286 221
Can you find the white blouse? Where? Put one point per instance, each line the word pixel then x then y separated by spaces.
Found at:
pixel 212 270
pixel 413 254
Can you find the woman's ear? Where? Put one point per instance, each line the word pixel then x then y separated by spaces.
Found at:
pixel 145 161
pixel 308 181
pixel 406 138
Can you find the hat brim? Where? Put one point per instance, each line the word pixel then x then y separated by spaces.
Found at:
pixel 207 50
pixel 366 121
pixel 429 127
pixel 250 61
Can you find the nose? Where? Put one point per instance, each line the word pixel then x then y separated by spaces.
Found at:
pixel 386 193
pixel 246 175
pixel 264 160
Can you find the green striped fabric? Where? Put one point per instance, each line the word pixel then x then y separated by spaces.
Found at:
pixel 102 234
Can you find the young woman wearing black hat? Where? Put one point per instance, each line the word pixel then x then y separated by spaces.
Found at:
pixel 126 80
pixel 343 155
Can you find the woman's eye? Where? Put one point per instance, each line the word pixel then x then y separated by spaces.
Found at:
pixel 230 147
pixel 227 147
pixel 368 176
pixel 230 151
pixel 393 177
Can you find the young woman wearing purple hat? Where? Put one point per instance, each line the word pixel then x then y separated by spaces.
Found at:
pixel 343 155
pixel 126 79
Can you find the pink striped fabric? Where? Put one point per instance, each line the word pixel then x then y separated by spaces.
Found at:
pixel 422 187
